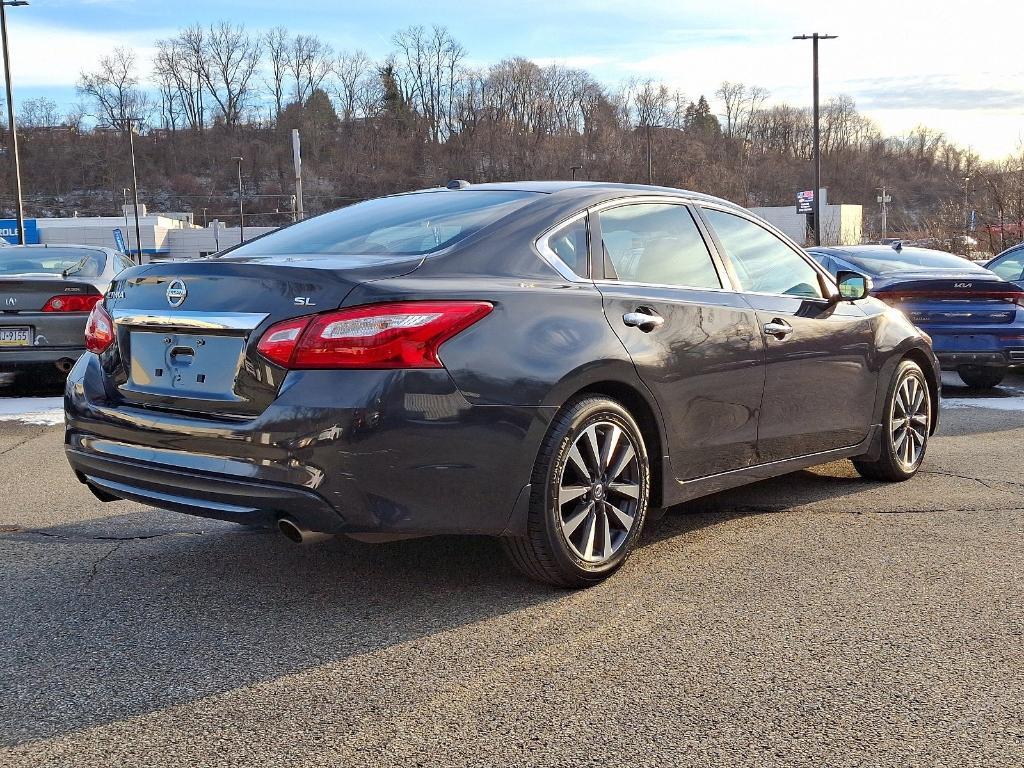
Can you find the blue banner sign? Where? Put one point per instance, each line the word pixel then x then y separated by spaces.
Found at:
pixel 119 241
pixel 9 231
pixel 805 201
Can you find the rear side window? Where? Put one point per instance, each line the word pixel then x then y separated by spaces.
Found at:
pixel 405 225
pixel 569 243
pixel 657 243
pixel 1010 267
pixel 763 262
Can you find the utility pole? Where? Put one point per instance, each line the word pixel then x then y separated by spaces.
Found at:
pixel 884 199
pixel 574 169
pixel 297 158
pixel 650 161
pixel 135 186
pixel 817 134
pixel 241 207
pixel 967 215
pixel 20 212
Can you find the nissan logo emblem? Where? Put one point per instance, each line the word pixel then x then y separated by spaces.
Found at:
pixel 176 293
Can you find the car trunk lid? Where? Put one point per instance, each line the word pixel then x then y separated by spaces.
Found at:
pixel 950 297
pixel 31 292
pixel 187 331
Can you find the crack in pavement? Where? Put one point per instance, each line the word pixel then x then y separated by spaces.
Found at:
pixel 96 564
pixel 22 442
pixel 988 483
pixel 13 530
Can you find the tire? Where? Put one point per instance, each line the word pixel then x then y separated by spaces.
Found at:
pixel 907 417
pixel 586 511
pixel 981 377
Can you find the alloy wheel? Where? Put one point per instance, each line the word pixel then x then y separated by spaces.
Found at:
pixel 908 421
pixel 599 492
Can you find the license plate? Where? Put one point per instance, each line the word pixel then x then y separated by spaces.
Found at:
pixel 16 336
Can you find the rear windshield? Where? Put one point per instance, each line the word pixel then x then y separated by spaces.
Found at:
pixel 51 261
pixel 405 225
pixel 907 260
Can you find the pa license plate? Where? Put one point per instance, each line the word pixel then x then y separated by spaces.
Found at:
pixel 16 336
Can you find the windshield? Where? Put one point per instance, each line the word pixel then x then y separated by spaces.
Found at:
pixel 405 225
pixel 19 260
pixel 907 260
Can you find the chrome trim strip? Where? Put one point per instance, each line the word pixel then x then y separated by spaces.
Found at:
pixel 207 321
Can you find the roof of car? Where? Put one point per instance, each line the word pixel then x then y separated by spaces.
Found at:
pixel 587 189
pixel 875 251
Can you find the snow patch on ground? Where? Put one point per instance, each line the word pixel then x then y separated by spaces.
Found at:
pixel 993 403
pixel 45 411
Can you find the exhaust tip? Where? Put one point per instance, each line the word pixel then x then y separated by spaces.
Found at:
pixel 291 531
pixel 65 364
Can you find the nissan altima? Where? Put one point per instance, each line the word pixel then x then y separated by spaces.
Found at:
pixel 543 362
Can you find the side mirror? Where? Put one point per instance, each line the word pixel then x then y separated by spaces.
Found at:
pixel 853 285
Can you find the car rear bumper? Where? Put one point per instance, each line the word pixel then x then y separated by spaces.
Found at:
pixel 394 452
pixel 953 360
pixel 15 358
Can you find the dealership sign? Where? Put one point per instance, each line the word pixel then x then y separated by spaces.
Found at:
pixel 805 201
pixel 9 231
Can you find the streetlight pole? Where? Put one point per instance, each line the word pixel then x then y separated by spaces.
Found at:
pixel 817 134
pixel 135 186
pixel 884 199
pixel 127 226
pixel 20 212
pixel 574 169
pixel 650 160
pixel 241 208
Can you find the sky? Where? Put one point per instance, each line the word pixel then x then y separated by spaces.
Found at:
pixel 956 67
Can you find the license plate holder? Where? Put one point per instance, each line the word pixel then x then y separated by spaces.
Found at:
pixel 15 336
pixel 185 365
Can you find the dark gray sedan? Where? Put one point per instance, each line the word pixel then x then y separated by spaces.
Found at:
pixel 46 294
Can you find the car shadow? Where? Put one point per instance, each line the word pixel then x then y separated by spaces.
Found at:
pixel 131 614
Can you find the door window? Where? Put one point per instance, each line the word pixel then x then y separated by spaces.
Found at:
pixel 656 243
pixel 763 262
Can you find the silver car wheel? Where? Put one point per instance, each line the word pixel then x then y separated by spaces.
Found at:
pixel 599 492
pixel 908 421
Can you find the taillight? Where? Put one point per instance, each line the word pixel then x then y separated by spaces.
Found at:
pixel 72 303
pixel 99 330
pixel 399 335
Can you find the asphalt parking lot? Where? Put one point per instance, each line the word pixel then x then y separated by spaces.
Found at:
pixel 812 620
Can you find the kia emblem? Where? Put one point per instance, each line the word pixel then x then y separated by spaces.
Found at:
pixel 176 293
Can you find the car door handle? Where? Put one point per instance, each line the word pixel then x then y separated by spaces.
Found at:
pixel 645 321
pixel 778 329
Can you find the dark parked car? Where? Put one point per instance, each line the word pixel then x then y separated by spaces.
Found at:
pixel 544 362
pixel 46 294
pixel 1009 265
pixel 974 317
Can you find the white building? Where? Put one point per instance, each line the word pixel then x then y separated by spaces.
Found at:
pixel 840 224
pixel 163 235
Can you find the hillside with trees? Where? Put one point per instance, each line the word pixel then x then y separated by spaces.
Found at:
pixel 424 115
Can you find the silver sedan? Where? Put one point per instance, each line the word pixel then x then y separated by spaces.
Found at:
pixel 46 294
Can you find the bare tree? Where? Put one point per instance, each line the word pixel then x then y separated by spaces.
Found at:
pixel 429 68
pixel 39 113
pixel 278 46
pixel 351 70
pixel 233 56
pixel 181 69
pixel 309 61
pixel 113 89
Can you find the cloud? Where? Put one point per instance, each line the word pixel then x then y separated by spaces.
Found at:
pixel 943 92
pixel 46 56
